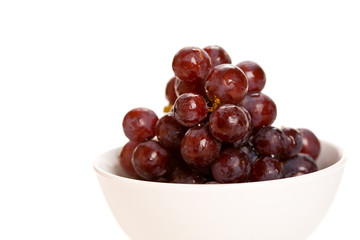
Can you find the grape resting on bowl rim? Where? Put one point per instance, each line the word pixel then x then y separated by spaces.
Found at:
pixel 217 127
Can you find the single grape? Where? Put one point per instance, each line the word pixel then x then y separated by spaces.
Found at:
pixel 125 158
pixel 191 64
pixel 248 134
pixel 311 144
pixel 199 148
pixel 218 55
pixel 270 141
pixel 294 145
pixel 190 109
pixel 169 132
pixel 232 166
pixel 139 124
pixel 299 164
pixel 170 93
pixel 229 123
pixel 266 168
pixel 226 83
pixel 182 87
pixel 250 152
pixel 261 108
pixel 151 160
pixel 254 74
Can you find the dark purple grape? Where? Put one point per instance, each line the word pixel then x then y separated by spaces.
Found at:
pixel 186 175
pixel 125 158
pixel 226 83
pixel 170 93
pixel 139 124
pixel 199 148
pixel 169 132
pixel 261 108
pixel 191 64
pixel 182 87
pixel 266 168
pixel 231 166
pixel 229 123
pixel 151 160
pixel 270 141
pixel 250 152
pixel 299 165
pixel 248 134
pixel 190 109
pixel 255 75
pixel 311 144
pixel 294 145
pixel 218 55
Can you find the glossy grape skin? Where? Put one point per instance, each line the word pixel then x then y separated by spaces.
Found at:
pixel 300 164
pixel 151 160
pixel 270 141
pixel 191 64
pixel 255 75
pixel 125 158
pixel 294 145
pixel 199 148
pixel 182 87
pixel 229 123
pixel 231 166
pixel 261 107
pixel 139 124
pixel 266 168
pixel 227 83
pixel 218 55
pixel 190 109
pixel 248 134
pixel 311 144
pixel 169 132
pixel 170 93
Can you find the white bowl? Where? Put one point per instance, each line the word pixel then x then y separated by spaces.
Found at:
pixel 281 209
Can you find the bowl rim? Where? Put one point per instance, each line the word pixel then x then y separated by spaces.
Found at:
pixel 306 177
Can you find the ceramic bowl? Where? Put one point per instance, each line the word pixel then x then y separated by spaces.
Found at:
pixel 281 209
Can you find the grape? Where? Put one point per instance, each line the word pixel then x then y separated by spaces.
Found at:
pixel 170 93
pixel 227 83
pixel 125 158
pixel 199 148
pixel 311 144
pixel 186 174
pixel 232 166
pixel 182 87
pixel 270 141
pixel 299 165
pixel 190 109
pixel 169 132
pixel 250 152
pixel 266 168
pixel 218 55
pixel 254 74
pixel 191 64
pixel 229 123
pixel 294 145
pixel 150 160
pixel 261 108
pixel 139 124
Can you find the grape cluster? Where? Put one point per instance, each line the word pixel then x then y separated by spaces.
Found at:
pixel 217 127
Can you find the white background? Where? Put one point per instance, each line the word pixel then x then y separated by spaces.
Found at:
pixel 71 69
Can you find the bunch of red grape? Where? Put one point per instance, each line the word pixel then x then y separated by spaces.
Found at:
pixel 218 127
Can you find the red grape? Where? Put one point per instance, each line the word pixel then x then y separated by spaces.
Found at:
pixel 191 64
pixel 299 164
pixel 254 74
pixel 150 160
pixel 139 124
pixel 218 55
pixel 266 168
pixel 311 144
pixel 199 148
pixel 169 132
pixel 190 109
pixel 170 93
pixel 125 158
pixel 227 83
